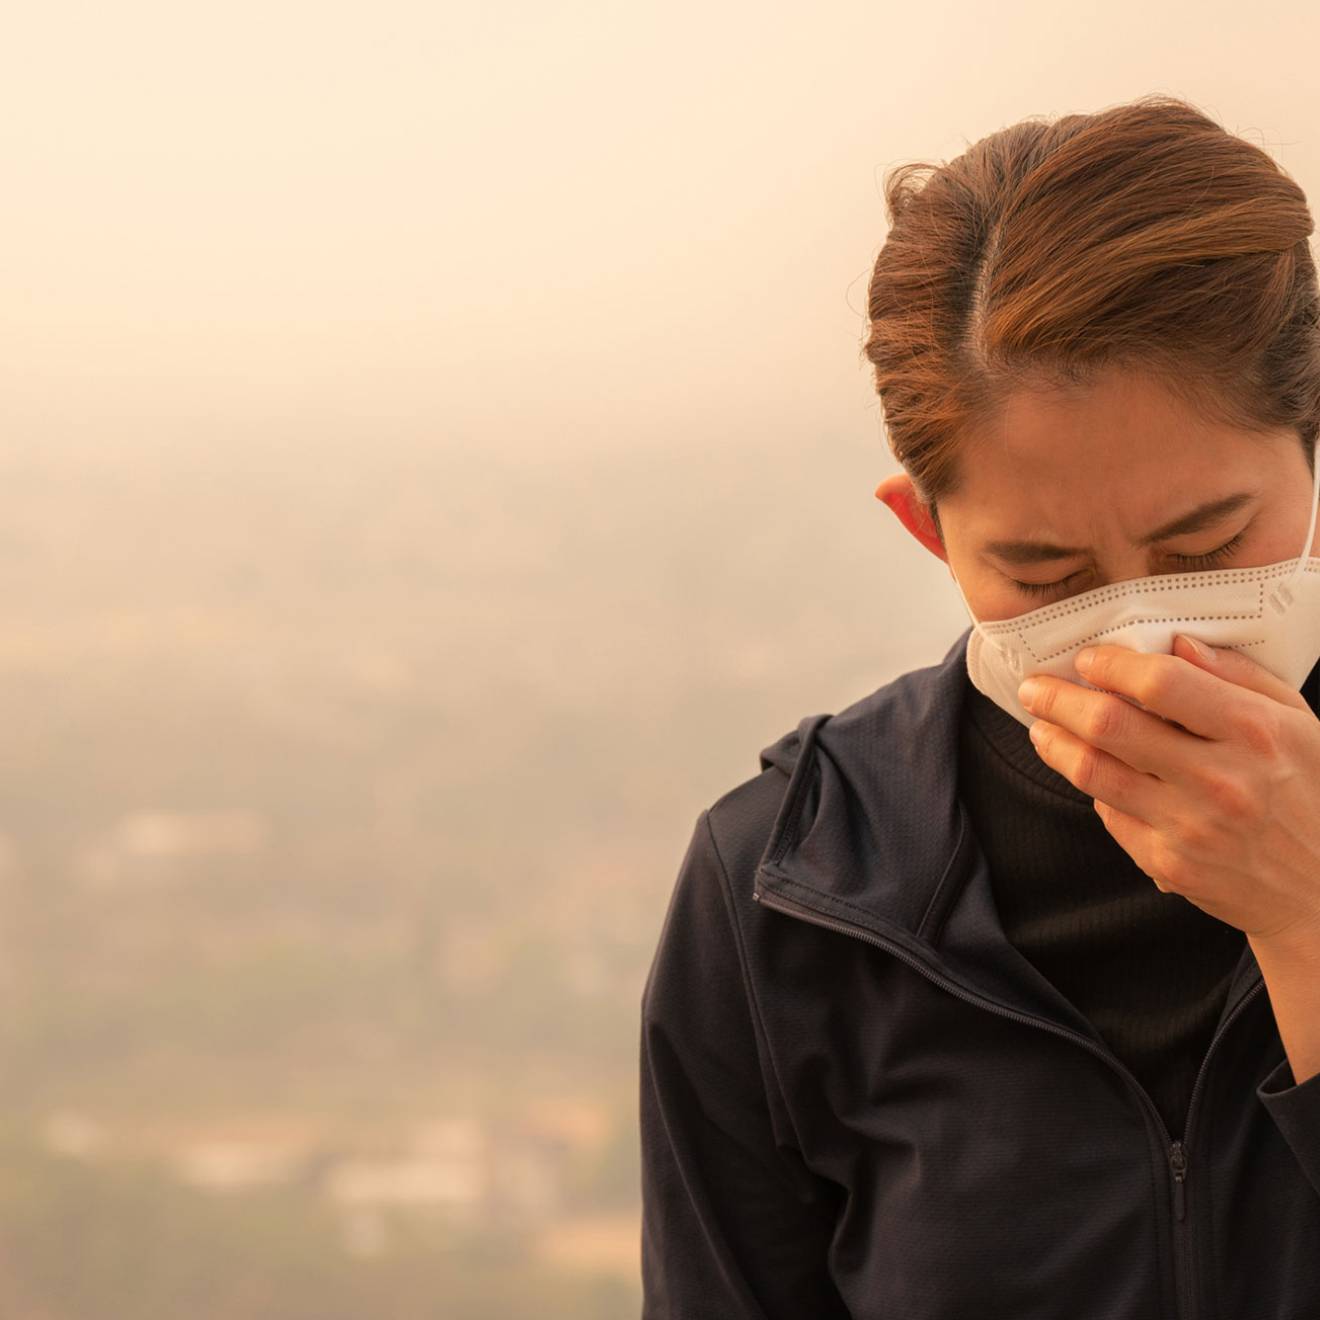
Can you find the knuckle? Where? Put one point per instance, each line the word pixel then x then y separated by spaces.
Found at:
pixel 1156 680
pixel 1229 796
pixel 1262 730
pixel 1087 771
pixel 1171 867
pixel 1195 833
pixel 1104 720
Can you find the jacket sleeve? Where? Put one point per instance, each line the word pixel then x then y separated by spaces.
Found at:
pixel 734 1225
pixel 1295 1109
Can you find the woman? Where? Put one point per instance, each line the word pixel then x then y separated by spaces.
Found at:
pixel 945 1022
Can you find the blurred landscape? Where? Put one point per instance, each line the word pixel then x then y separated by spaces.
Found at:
pixel 435 459
pixel 342 794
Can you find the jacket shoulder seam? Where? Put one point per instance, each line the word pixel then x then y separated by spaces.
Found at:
pixel 758 1022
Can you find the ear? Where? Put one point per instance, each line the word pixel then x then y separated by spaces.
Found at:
pixel 900 495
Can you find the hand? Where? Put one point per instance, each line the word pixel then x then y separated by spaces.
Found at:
pixel 1214 790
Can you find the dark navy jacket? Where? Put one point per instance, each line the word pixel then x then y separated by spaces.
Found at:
pixel 858 1099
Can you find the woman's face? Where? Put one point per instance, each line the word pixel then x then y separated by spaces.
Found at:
pixel 1070 492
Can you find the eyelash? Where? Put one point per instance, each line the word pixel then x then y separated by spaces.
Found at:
pixel 1192 561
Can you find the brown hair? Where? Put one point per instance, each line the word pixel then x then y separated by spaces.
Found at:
pixel 1144 237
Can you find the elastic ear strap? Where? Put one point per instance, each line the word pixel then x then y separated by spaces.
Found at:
pixel 1300 567
pixel 963 594
pixel 1315 501
pixel 1010 656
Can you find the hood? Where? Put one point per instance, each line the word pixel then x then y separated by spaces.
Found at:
pixel 870 831
pixel 870 816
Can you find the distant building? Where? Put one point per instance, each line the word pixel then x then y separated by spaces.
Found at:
pixel 406 1180
pixel 152 845
pixel 73 1133
pixel 221 1166
pixel 188 833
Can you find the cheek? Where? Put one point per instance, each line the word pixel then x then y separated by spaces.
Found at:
pixel 1271 546
pixel 992 598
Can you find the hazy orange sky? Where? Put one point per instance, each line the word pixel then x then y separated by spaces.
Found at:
pixel 523 224
pixel 436 435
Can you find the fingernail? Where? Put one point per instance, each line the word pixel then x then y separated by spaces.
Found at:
pixel 1084 658
pixel 1202 651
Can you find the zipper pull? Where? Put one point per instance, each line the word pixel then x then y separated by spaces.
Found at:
pixel 1178 1161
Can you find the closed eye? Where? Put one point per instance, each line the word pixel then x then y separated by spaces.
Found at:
pixel 1206 560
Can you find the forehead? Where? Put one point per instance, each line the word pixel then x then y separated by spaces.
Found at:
pixel 1126 444
pixel 1116 416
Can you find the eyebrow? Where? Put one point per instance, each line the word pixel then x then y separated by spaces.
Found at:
pixel 1204 515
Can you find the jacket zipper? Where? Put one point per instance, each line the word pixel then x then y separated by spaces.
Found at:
pixel 1175 1151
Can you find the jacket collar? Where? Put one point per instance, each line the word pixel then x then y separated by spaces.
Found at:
pixel 870 831
pixel 870 816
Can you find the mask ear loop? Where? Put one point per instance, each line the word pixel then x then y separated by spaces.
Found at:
pixel 1011 658
pixel 1281 596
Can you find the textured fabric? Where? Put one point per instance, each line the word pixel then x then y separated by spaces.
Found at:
pixel 1296 1110
pixel 859 1098
pixel 732 1219
pixel 1149 969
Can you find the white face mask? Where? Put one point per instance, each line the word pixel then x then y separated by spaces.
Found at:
pixel 1271 613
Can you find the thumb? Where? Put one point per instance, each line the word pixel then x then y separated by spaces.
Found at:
pixel 1234 667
